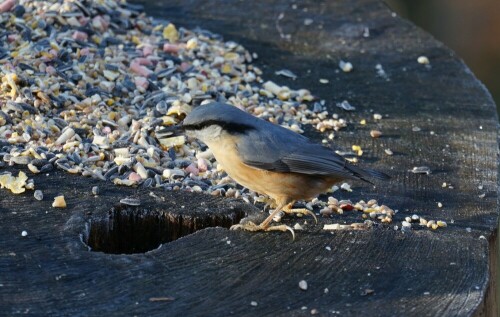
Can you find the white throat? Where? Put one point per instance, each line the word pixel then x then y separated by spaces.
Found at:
pixel 208 134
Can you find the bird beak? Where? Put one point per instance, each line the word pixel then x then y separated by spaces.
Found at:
pixel 171 131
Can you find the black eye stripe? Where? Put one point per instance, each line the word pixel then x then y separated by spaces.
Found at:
pixel 229 127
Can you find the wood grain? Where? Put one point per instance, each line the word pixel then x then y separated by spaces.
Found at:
pixel 217 272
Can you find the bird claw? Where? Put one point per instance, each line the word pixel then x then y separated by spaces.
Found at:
pixel 268 206
pixel 250 226
pixel 301 211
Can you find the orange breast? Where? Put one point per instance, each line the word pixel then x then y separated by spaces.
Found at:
pixel 279 186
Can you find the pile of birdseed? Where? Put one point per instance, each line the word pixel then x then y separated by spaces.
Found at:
pixel 85 85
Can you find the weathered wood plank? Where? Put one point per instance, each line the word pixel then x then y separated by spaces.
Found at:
pixel 51 272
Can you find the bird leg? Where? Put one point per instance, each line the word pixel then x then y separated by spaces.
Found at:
pixel 269 203
pixel 264 226
pixel 301 211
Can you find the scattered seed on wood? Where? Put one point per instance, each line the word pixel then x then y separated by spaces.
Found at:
pixel 297 226
pixel 421 170
pixel 357 149
pixel 346 187
pixel 375 133
pixel 130 201
pixel 15 184
pixel 441 223
pixel 345 66
pixel 353 226
pixel 303 285
pixel 345 105
pixel 119 100
pixel 161 299
pixel 59 202
pixel 367 292
pixel 286 73
pixel 38 194
pixel 423 60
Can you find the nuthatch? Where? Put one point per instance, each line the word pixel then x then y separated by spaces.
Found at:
pixel 269 159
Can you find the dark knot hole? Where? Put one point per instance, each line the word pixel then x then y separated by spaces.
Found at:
pixel 128 229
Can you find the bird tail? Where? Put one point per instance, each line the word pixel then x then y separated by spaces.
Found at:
pixel 366 174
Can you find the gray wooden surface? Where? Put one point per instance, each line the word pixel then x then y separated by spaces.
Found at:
pixel 216 272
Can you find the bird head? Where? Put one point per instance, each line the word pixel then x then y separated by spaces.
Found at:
pixel 212 121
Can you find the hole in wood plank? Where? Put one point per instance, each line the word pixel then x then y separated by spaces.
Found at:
pixel 129 229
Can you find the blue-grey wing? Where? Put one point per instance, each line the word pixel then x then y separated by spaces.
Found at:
pixel 290 152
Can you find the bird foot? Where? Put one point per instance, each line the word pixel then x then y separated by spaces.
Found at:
pixel 301 211
pixel 250 226
pixel 268 206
